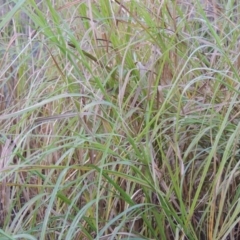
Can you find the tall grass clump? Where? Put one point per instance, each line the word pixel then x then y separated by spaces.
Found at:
pixel 119 120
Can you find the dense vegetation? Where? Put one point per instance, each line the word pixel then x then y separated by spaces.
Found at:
pixel 119 120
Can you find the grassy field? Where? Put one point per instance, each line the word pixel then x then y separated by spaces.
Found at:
pixel 119 120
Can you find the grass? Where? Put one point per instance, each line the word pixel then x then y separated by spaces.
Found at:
pixel 119 120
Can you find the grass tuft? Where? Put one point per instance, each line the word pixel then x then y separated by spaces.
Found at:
pixel 119 120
